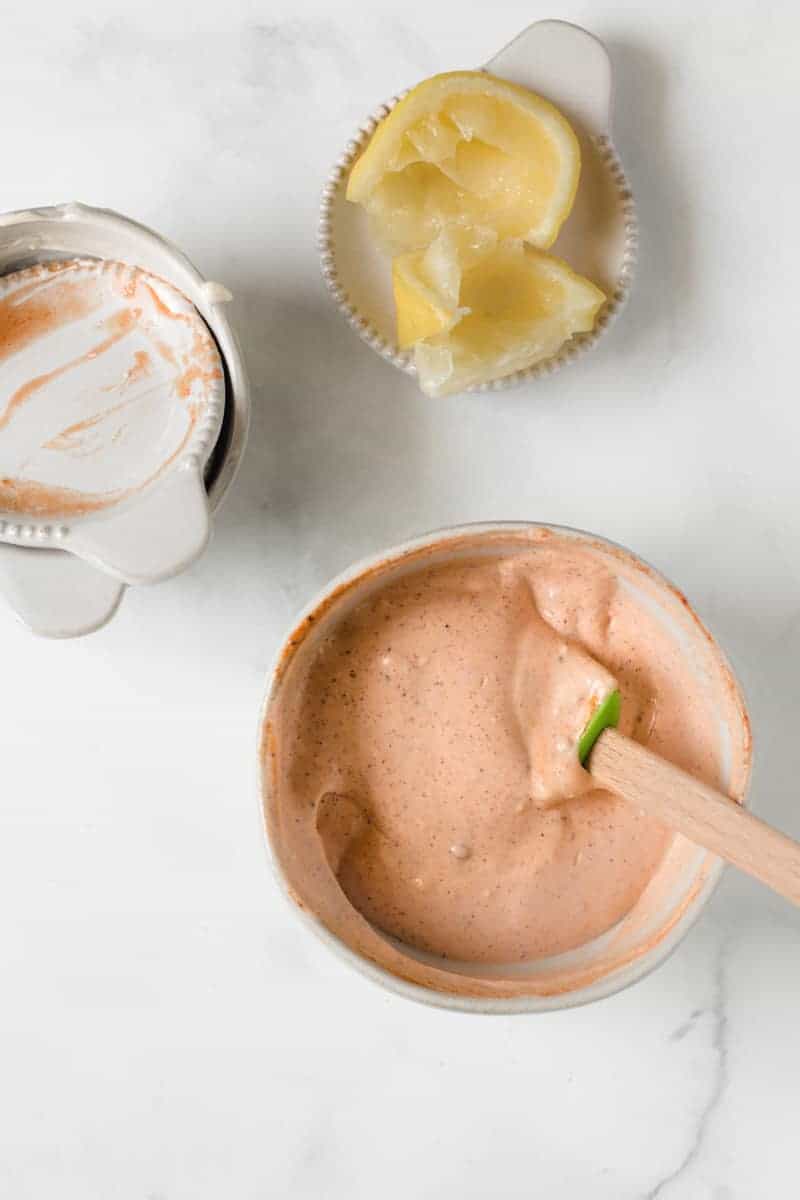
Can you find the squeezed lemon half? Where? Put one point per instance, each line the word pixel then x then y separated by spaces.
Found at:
pixel 466 182
pixel 466 148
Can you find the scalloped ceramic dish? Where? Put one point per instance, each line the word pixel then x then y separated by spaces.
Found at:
pixel 571 68
pixel 58 593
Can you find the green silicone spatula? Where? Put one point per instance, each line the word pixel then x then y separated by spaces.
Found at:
pixel 677 799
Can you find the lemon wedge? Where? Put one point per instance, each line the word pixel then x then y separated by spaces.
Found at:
pixel 422 312
pixel 427 283
pixel 467 149
pixel 502 310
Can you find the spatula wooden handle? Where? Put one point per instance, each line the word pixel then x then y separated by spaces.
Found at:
pixel 699 812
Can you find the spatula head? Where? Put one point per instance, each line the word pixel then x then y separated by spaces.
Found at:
pixel 605 716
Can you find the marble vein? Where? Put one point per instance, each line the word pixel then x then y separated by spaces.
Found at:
pixel 719 1084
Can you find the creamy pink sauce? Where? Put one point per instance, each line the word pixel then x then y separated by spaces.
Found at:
pixel 424 771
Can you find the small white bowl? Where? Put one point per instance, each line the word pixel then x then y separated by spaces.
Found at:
pixel 571 68
pixel 58 594
pixel 677 894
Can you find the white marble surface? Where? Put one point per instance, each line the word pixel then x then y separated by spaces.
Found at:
pixel 167 1030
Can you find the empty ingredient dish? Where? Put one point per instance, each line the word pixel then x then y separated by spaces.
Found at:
pixel 149 452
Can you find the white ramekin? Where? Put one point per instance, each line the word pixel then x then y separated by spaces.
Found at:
pixel 683 902
pixel 54 593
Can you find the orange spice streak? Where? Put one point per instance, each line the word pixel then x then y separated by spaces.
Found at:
pixel 28 314
pixel 164 309
pixel 203 351
pixel 127 289
pixel 195 373
pixel 141 368
pixel 69 438
pixel 204 362
pixel 120 325
pixel 44 500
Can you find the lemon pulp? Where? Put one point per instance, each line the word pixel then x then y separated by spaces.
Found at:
pixel 516 307
pixel 466 148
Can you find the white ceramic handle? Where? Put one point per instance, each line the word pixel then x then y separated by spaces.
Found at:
pixel 567 65
pixel 55 594
pixel 166 528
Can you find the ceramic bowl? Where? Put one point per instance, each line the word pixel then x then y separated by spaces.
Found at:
pixel 570 67
pixel 678 892
pixel 107 461
pixel 55 593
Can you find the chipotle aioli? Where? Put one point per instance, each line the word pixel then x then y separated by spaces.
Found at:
pixel 424 755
